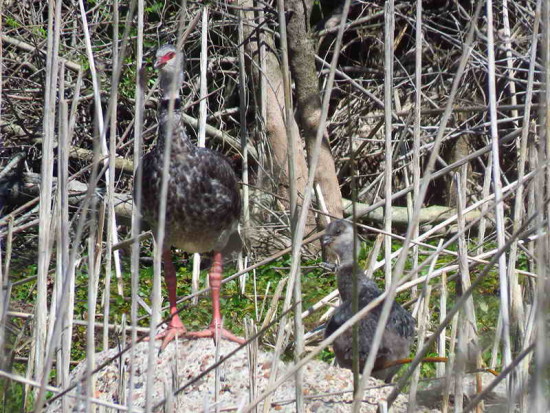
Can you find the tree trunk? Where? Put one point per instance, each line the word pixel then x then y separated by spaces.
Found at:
pixel 308 101
pixel 275 105
pixel 275 128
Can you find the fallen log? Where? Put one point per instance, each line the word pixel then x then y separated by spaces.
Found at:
pixel 29 185
pixel 430 215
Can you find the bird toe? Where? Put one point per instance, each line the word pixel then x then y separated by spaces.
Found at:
pixel 214 333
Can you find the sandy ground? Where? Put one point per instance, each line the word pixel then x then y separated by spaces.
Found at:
pixel 326 388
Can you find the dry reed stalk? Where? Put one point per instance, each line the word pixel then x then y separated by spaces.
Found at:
pixel 63 243
pixel 155 293
pixel 123 382
pixel 496 343
pixel 441 340
pixel 111 189
pixel 57 222
pixel 53 389
pixel 541 400
pixel 510 73
pixel 467 331
pixel 417 119
pixel 136 218
pixel 389 29
pixel 39 334
pixel 322 204
pixel 417 310
pixel 450 365
pixel 45 207
pixel 355 367
pixel 259 312
pixel 159 236
pixel 487 178
pixel 90 332
pixel 242 263
pixel 217 371
pixel 252 354
pixel 243 109
pixel 519 321
pixel 66 126
pixel 423 323
pixel 272 310
pixel 298 233
pixel 203 107
pixel 5 284
pixel 299 346
pixel 96 325
pixel 293 281
pixel 497 189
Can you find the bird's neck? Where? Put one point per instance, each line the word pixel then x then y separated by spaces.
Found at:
pixel 171 124
pixel 170 82
pixel 344 273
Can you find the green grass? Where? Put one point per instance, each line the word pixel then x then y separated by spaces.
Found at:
pixel 236 306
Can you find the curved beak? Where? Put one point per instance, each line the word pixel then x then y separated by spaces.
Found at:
pixel 159 63
pixel 326 240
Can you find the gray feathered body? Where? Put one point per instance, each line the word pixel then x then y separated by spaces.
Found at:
pixel 203 200
pixel 397 336
pixel 399 330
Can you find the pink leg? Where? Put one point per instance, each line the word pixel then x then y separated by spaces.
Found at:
pixel 175 326
pixel 215 329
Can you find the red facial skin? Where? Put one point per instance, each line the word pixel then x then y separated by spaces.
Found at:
pixel 161 61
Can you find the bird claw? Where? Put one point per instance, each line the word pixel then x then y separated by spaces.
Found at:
pixel 168 335
pixel 213 332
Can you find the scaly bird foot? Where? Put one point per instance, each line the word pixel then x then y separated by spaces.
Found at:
pixel 175 329
pixel 213 332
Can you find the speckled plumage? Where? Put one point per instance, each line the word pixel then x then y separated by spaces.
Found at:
pixel 203 200
pixel 399 330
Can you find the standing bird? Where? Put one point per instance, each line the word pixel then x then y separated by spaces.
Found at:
pixel 203 200
pixel 397 337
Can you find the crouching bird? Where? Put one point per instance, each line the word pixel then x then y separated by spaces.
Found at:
pixel 203 200
pixel 396 340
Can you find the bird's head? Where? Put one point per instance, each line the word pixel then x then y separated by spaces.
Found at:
pixel 170 63
pixel 338 241
pixel 166 56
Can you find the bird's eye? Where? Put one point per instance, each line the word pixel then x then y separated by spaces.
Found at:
pixel 169 55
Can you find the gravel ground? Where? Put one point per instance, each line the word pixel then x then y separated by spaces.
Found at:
pixel 326 388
